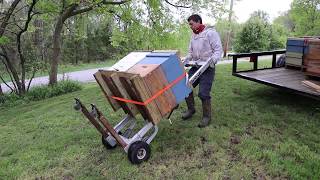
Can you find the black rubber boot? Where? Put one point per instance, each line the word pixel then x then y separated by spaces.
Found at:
pixel 191 110
pixel 206 116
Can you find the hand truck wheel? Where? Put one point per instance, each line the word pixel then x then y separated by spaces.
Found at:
pixel 107 144
pixel 138 152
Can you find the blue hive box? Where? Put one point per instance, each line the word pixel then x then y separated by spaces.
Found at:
pixel 296 48
pixel 172 68
pixel 297 45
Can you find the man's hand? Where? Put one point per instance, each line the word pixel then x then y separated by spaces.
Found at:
pixel 185 61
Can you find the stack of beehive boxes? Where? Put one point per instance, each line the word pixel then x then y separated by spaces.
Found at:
pixel 296 48
pixel 135 83
pixel 304 53
pixel 312 58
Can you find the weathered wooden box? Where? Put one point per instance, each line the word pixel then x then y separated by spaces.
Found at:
pixel 149 83
pixel 304 53
pixel 312 58
pixel 172 69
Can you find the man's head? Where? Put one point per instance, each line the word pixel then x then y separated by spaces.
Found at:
pixel 194 22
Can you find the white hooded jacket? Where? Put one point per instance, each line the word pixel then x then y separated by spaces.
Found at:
pixel 205 45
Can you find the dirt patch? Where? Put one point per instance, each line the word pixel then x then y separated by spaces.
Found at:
pixel 259 175
pixel 225 177
pixel 68 177
pixel 203 140
pixel 250 129
pixel 235 140
pixel 207 149
pixel 233 153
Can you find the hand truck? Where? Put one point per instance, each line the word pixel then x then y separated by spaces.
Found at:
pixel 136 145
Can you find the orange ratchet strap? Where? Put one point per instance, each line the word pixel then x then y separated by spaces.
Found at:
pixel 154 96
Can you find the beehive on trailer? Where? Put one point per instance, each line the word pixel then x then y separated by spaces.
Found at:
pixel 296 48
pixel 288 79
pixel 304 53
pixel 312 58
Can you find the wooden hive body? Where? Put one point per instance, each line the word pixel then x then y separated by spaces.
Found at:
pixel 172 68
pixel 295 50
pixel 140 76
pixel 312 58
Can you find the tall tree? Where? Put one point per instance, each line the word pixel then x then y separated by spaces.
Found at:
pixel 7 16
pixel 258 34
pixel 222 26
pixel 306 17
pixel 264 16
pixel 255 34
pixel 157 21
pixel 285 20
pixel 12 55
pixel 69 10
pixel 227 39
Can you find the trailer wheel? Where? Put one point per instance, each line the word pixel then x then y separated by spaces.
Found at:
pixel 138 152
pixel 106 143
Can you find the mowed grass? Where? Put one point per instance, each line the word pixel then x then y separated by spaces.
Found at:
pixel 257 132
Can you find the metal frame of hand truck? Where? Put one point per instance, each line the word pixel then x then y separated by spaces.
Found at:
pixel 135 145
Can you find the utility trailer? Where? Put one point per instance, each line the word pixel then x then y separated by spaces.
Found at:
pixel 289 79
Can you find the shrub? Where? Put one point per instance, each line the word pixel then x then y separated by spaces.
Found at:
pixel 259 35
pixel 10 99
pixel 40 92
pixel 43 92
pixel 253 37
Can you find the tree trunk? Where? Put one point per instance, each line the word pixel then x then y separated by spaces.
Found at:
pixel 22 89
pixel 56 52
pixel 1 92
pixel 9 57
pixel 86 50
pixel 7 17
pixel 66 13
pixel 56 55
pixel 3 26
pixel 226 45
pixel 38 38
pixel 19 47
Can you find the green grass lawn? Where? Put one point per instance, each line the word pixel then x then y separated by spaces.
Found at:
pixel 257 132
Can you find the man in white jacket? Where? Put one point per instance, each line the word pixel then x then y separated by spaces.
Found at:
pixel 205 45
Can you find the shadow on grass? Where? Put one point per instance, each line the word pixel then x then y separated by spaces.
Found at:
pixel 288 99
pixel 273 96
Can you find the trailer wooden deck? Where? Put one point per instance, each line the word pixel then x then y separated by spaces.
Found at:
pixel 289 79
pixel 279 77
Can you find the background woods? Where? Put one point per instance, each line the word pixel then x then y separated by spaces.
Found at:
pixel 39 35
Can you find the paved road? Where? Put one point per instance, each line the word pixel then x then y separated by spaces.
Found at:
pixel 81 76
pixel 85 75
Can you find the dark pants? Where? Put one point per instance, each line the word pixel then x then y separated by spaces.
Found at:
pixel 205 82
